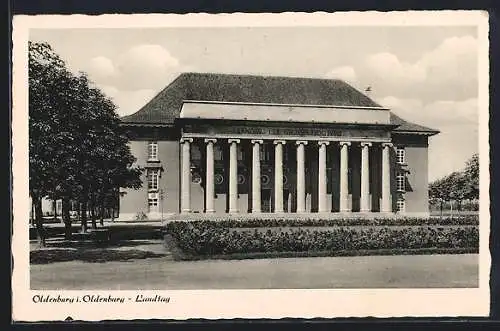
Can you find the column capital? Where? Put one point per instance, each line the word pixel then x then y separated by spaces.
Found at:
pixel 282 142
pixel 184 140
pixel 387 145
pixel 365 144
pixel 344 143
pixel 301 142
pixel 257 141
pixel 210 140
pixel 233 141
pixel 323 142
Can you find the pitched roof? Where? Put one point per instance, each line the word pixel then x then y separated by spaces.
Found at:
pixel 405 126
pixel 165 107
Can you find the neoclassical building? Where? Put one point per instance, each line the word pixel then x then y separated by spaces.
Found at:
pixel 220 143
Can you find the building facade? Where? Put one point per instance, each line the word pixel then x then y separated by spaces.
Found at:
pixel 218 143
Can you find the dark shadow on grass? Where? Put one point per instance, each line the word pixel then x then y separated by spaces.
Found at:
pixel 47 256
pixel 89 244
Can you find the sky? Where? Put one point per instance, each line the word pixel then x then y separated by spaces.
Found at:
pixel 426 75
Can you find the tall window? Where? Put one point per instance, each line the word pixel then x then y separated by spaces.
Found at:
pixel 195 152
pixel 400 155
pixel 153 151
pixel 218 153
pixel 265 153
pixel 240 153
pixel 400 204
pixel 153 199
pixel 153 175
pixel 400 181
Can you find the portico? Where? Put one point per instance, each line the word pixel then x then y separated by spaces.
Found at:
pixel 240 144
pixel 286 144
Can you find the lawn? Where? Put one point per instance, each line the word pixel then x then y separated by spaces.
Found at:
pixel 418 271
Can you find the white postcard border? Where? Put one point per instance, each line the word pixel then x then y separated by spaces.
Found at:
pixel 217 304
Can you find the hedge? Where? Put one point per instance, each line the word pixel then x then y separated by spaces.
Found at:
pixel 253 221
pixel 205 239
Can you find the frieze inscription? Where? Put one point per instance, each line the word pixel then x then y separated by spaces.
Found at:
pixel 285 131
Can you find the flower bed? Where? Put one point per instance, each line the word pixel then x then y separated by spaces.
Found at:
pixel 208 239
pixel 297 220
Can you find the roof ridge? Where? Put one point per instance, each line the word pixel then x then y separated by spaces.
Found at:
pixel 261 76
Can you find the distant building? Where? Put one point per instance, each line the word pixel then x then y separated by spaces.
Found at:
pixel 219 143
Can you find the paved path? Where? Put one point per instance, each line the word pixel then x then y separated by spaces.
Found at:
pixel 323 272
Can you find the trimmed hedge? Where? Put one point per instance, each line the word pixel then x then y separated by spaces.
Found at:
pixel 46 256
pixel 253 221
pixel 208 239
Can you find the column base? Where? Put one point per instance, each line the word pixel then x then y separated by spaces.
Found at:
pixel 211 211
pixel 186 211
pixel 235 211
pixel 256 211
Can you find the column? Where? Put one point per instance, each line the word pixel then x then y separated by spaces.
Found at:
pixel 365 177
pixel 278 176
pixel 256 176
pixel 209 183
pixel 386 178
pixel 322 203
pixel 344 180
pixel 186 175
pixel 233 175
pixel 301 177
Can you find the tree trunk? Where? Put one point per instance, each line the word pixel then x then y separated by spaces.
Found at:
pixel 92 213
pixel 40 231
pixel 66 218
pixel 54 206
pixel 441 207
pixel 101 210
pixel 83 212
pixel 33 223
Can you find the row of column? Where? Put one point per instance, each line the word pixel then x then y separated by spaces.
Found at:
pixel 278 176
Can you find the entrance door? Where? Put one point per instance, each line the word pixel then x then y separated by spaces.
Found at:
pixel 265 200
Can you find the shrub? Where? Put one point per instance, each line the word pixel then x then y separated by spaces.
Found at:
pixel 141 216
pixel 297 220
pixel 208 239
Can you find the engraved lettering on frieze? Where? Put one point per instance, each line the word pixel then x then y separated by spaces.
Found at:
pixel 296 131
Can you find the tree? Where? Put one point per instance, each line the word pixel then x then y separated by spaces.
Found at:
pixel 46 74
pixel 77 150
pixel 457 186
pixel 471 174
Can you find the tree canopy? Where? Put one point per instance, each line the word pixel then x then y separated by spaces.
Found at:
pixel 77 150
pixel 459 185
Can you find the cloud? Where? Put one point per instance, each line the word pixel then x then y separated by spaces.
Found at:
pixel 128 101
pixel 387 66
pixel 434 114
pixel 345 73
pixel 145 66
pixel 457 122
pixel 447 72
pixel 101 67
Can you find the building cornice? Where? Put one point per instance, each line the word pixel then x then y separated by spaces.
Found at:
pixel 283 104
pixel 380 126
